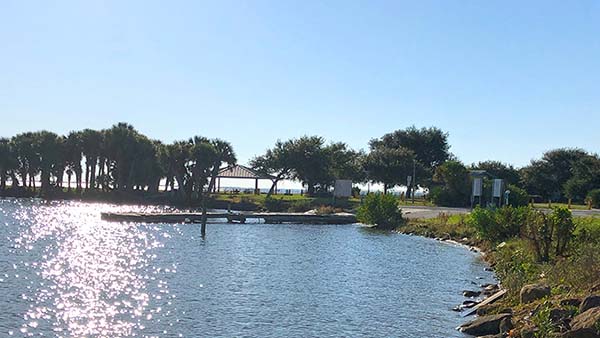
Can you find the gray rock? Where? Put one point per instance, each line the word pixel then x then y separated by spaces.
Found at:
pixel 486 325
pixel 492 308
pixel 506 325
pixel 529 331
pixel 471 294
pixel 585 325
pixel 570 302
pixel 589 302
pixel 532 292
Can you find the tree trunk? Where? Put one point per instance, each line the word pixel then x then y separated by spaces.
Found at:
pixel 78 175
pixel 45 178
pixel 14 180
pixel 203 225
pixel 24 178
pixel 59 177
pixel 2 180
pixel 93 175
pixel 272 189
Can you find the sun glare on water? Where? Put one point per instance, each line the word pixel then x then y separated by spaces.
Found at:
pixel 95 274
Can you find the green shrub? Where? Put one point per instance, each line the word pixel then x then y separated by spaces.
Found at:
pixel 381 210
pixel 562 221
pixel 546 231
pixel 518 197
pixel 543 322
pixel 587 229
pixel 539 232
pixel 594 197
pixel 578 271
pixel 498 224
pixel 515 266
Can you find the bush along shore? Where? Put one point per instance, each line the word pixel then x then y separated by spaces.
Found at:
pixel 547 262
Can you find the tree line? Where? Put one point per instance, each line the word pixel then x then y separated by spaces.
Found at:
pixel 116 159
pixel 121 158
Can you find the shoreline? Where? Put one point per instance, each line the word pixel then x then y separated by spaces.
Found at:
pixel 471 304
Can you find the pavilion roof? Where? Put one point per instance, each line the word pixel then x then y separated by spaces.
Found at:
pixel 240 171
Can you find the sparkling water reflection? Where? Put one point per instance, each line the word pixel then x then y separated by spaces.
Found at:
pixel 66 273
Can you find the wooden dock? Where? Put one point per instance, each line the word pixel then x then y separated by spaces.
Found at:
pixel 270 218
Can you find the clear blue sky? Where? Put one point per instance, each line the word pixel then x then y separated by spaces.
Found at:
pixel 506 79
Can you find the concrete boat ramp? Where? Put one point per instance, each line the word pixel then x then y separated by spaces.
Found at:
pixel 270 218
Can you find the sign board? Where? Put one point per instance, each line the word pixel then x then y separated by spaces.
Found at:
pixel 343 188
pixel 497 188
pixel 477 185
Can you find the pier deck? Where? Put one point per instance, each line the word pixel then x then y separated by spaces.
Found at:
pixel 297 218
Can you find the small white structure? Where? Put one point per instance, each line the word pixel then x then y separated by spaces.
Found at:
pixel 477 184
pixel 343 188
pixel 497 190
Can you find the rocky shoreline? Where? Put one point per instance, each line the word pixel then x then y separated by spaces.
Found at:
pixel 578 317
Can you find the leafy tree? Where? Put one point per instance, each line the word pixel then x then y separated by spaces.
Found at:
pixel 518 197
pixel 277 163
pixel 311 163
pixel 309 160
pixel 453 184
pixel 594 197
pixel 498 169
pixel 585 177
pixel 546 177
pixel 345 163
pixel 389 166
pixel 429 145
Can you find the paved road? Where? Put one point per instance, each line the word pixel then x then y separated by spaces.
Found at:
pixel 431 212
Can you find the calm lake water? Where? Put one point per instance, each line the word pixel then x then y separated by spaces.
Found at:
pixel 66 273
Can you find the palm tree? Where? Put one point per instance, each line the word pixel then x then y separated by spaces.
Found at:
pixel 223 154
pixel 48 147
pixel 73 155
pixel 27 158
pixel 91 141
pixel 121 140
pixel 179 157
pixel 7 162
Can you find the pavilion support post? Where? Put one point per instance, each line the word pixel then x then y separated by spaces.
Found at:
pixel 256 191
pixel 218 184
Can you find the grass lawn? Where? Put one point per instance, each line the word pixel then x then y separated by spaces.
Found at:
pixel 260 199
